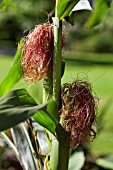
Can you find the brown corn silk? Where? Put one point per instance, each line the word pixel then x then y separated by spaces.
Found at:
pixel 78 112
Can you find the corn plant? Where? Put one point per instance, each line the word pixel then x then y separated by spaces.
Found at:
pixel 67 112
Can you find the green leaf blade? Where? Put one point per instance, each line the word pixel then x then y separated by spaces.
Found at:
pixel 14 109
pixel 18 105
pixel 4 4
pixel 105 162
pixel 15 73
pixel 98 14
pixel 65 7
pixel 24 146
pixel 77 160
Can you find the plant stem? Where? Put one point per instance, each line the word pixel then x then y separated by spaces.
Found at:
pixel 60 150
pixel 57 62
pixel 63 146
pixel 63 156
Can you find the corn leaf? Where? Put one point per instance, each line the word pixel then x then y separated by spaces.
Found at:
pixel 105 162
pixel 24 146
pixel 64 8
pixel 14 74
pixel 4 4
pixel 18 105
pixel 77 160
pixel 98 14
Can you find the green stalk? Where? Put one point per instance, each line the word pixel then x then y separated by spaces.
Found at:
pixel 59 157
pixel 57 62
pixel 60 150
pixel 63 157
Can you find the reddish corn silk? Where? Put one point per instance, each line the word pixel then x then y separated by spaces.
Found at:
pixel 37 52
pixel 78 112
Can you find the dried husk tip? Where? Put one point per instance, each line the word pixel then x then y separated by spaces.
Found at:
pixel 78 112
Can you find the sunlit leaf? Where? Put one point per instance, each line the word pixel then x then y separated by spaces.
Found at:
pixel 18 105
pixel 23 144
pixel 98 13
pixel 4 4
pixel 102 113
pixel 14 74
pixel 77 160
pixel 65 7
pixel 105 162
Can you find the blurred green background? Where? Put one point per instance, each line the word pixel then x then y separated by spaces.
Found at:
pixel 88 53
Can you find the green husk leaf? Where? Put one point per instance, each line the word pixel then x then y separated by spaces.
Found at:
pixel 49 117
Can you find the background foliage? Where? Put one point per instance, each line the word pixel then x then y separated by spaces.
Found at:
pixel 22 16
